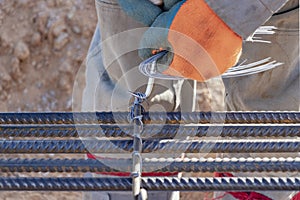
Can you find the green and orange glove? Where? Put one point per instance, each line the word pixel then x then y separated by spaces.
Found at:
pixel 201 46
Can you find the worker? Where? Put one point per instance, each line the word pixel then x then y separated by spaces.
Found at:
pixel 204 38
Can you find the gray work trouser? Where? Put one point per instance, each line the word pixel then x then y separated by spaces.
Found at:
pixel 109 77
pixel 274 90
pixel 110 74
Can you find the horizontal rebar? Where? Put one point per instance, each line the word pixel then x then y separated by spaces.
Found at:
pixel 151 165
pixel 149 146
pixel 150 131
pixel 154 118
pixel 125 184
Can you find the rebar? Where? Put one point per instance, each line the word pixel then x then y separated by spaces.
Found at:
pixel 154 118
pixel 136 115
pixel 158 184
pixel 149 146
pixel 152 165
pixel 150 131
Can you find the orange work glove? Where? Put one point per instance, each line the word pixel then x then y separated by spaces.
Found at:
pixel 200 44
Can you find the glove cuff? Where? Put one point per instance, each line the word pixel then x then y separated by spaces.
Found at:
pixel 245 16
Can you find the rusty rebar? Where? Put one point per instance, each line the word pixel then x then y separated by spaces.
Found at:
pixel 154 118
pixel 150 131
pixel 152 165
pixel 158 184
pixel 149 146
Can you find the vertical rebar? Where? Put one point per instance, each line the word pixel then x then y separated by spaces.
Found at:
pixel 136 116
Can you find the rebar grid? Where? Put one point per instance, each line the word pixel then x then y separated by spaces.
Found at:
pixel 157 125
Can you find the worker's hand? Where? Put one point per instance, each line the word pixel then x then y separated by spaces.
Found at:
pixel 200 44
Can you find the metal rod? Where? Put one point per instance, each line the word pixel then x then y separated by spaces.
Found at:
pixel 149 146
pixel 168 118
pixel 158 184
pixel 136 115
pixel 150 131
pixel 151 165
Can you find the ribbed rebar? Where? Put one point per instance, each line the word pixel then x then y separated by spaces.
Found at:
pixel 157 117
pixel 150 131
pixel 136 114
pixel 151 165
pixel 149 146
pixel 125 184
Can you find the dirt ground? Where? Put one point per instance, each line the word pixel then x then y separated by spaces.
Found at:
pixel 42 45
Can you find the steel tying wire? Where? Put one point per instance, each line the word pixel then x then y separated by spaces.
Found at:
pixel 154 118
pixel 252 68
pixel 150 131
pixel 149 146
pixel 151 165
pixel 136 118
pixel 150 67
pixel 158 184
